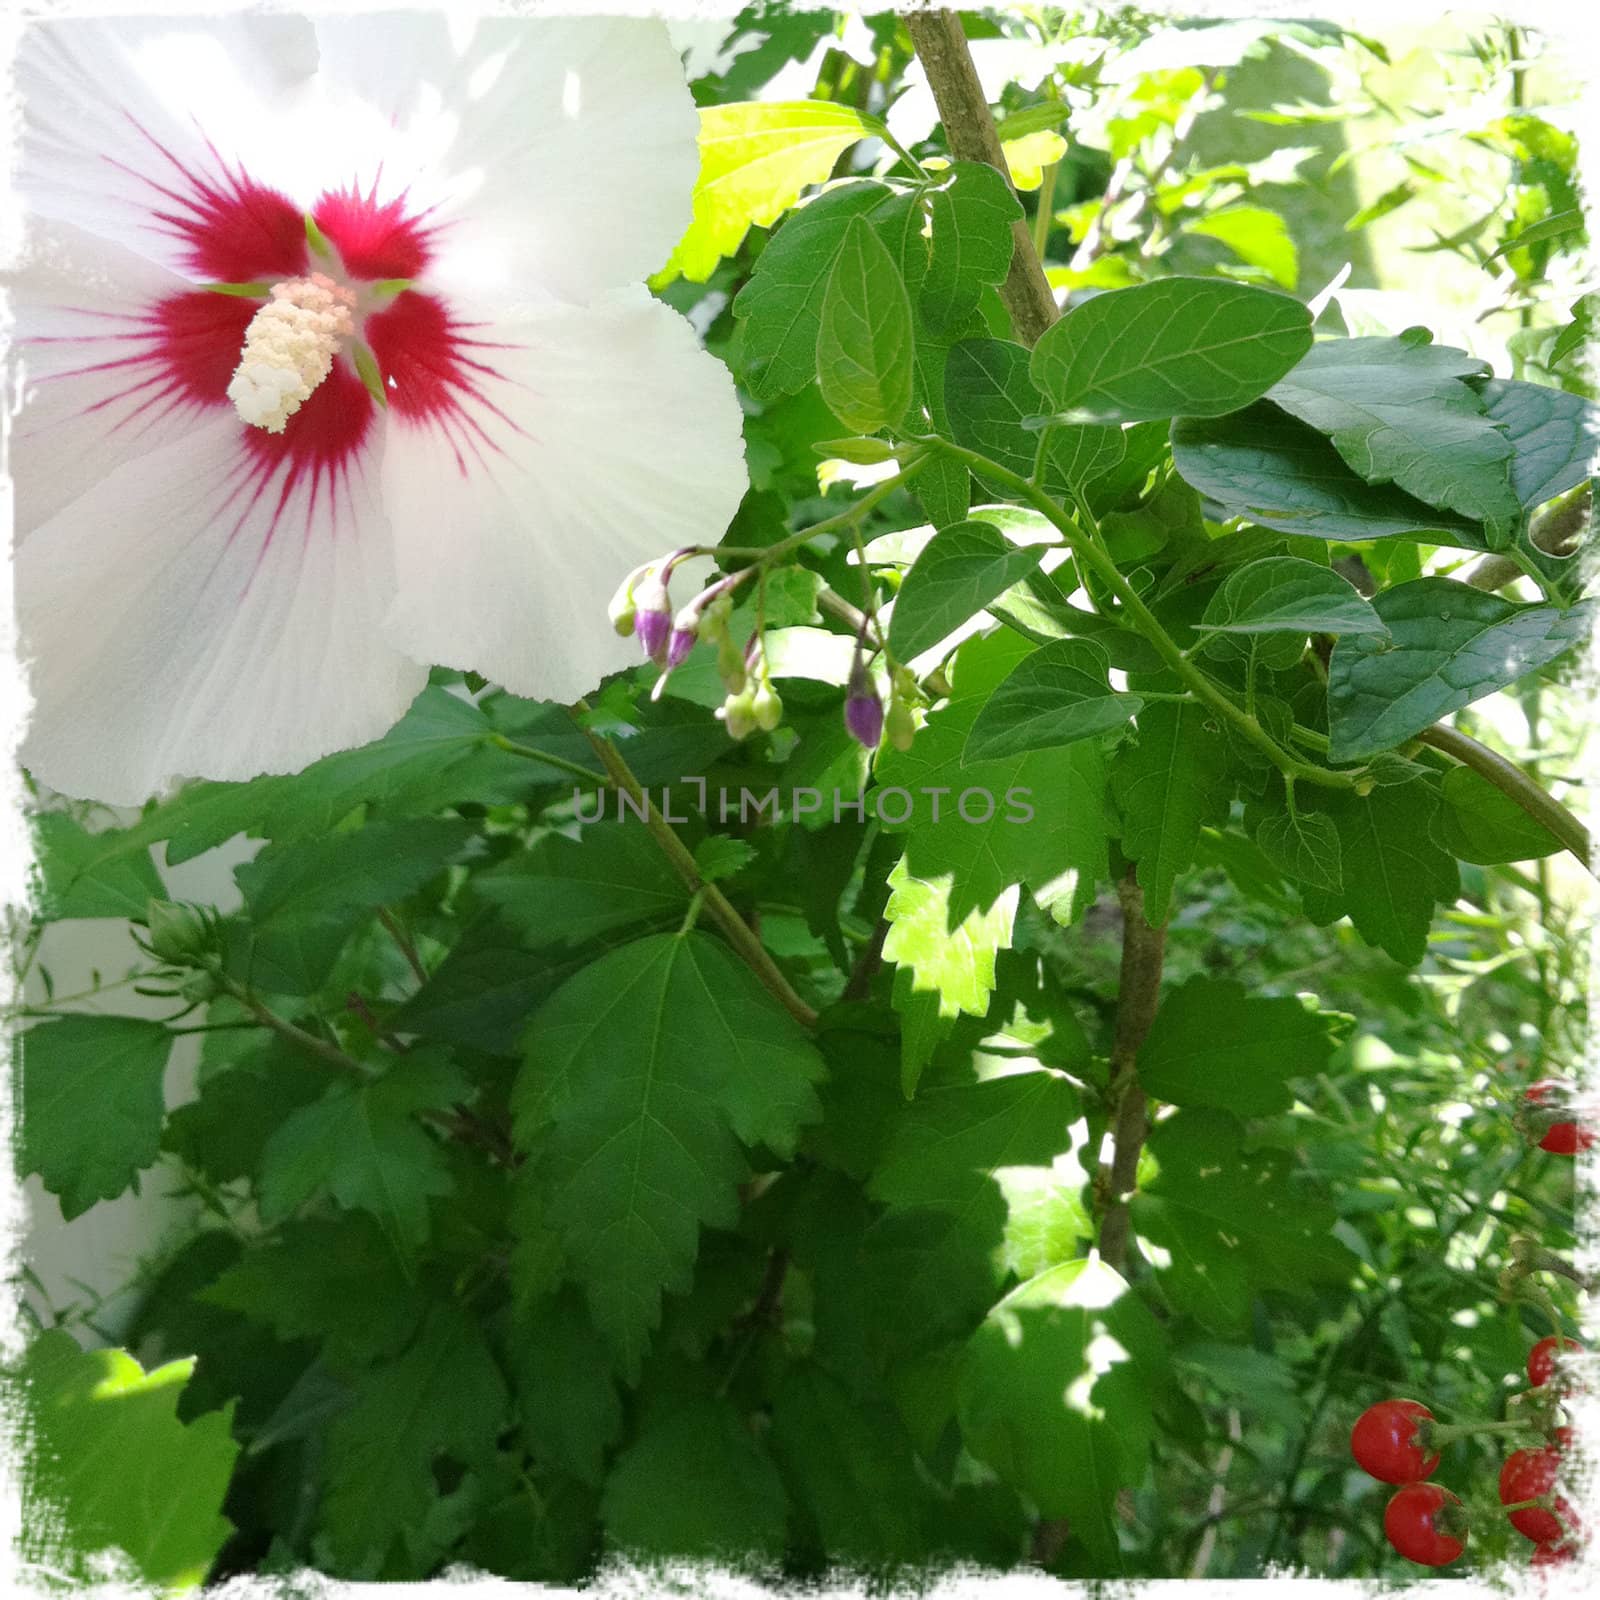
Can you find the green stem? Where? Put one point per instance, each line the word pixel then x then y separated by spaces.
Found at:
pixel 560 763
pixel 738 931
pixel 1089 553
pixel 1440 1434
pixel 1044 216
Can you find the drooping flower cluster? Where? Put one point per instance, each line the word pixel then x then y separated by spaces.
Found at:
pixel 339 365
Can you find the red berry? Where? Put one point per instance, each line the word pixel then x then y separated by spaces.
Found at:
pixel 1553 1555
pixel 1409 1525
pixel 1529 1475
pixel 1542 1358
pixel 1560 1138
pixel 1384 1442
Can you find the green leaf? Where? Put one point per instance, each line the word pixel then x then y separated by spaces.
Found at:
pixel 1258 237
pixel 1054 1395
pixel 1478 823
pixel 1560 226
pixel 91 1105
pixel 971 212
pixel 1049 806
pixel 333 1280
pixel 305 899
pixel 1577 333
pixel 1284 594
pixel 1555 436
pixel 1305 845
pixel 642 1077
pixel 1167 782
pixel 111 1460
pixel 83 874
pixel 851 1466
pixel 780 307
pixel 567 1400
pixel 443 1396
pixel 361 1144
pixel 1213 1044
pixel 695 1483
pixel 1394 872
pixel 1194 347
pixel 563 891
pixel 992 407
pixel 1232 1220
pixel 755 158
pixel 1399 412
pixel 1450 644
pixel 1263 464
pixel 720 856
pixel 939 955
pixel 959 572
pixel 865 340
pixel 437 754
pixel 1055 696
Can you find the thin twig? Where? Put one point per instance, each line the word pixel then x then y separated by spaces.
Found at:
pixel 401 938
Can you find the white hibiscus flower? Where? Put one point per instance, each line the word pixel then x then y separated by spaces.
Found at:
pixel 232 557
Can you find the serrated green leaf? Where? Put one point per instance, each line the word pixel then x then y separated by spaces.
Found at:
pixel 1056 696
pixel 303 900
pixel 91 1105
pixel 564 892
pixel 333 1280
pixel 755 159
pixel 1194 347
pixel 1055 1393
pixel 1049 806
pixel 1450 644
pixel 1393 870
pixel 113 1468
pixel 1263 464
pixel 361 1144
pixel 695 1483
pixel 1305 845
pixel 1231 1220
pixel 83 874
pixel 1214 1044
pixel 1168 782
pixel 1478 822
pixel 642 1077
pixel 1399 412
pixel 959 572
pixel 567 1400
pixel 865 338
pixel 443 1396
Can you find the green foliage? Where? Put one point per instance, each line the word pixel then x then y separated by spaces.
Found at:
pixel 114 1468
pixel 570 1191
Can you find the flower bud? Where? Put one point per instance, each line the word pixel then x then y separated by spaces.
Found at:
pixel 768 707
pixel 622 611
pixel 901 725
pixel 679 643
pixel 863 714
pixel 177 934
pixel 739 713
pixel 653 620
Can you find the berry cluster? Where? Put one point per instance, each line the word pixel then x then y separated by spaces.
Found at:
pixel 1559 1134
pixel 1398 1442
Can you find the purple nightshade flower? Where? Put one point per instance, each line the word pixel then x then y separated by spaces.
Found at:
pixel 679 644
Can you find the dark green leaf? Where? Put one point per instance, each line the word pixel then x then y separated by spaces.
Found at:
pixel 971 212
pixel 1479 823
pixel 566 1397
pixel 1555 435
pixel 91 1105
pixel 1305 845
pixel 83 874
pixel 1194 347
pixel 1450 644
pixel 1284 594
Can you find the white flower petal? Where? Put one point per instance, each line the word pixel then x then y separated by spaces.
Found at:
pixel 606 437
pixel 97 389
pixel 557 155
pixel 180 620
pixel 121 120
